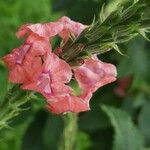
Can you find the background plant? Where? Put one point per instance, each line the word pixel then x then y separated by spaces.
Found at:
pixel 96 130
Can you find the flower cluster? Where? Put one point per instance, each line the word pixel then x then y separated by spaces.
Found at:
pixel 37 67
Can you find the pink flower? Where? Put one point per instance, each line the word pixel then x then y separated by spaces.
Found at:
pixel 64 27
pixel 37 68
pixel 90 76
pixel 94 74
pixel 51 82
pixel 26 60
pixel 52 77
pixel 70 27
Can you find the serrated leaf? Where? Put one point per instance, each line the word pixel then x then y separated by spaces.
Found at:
pixel 127 136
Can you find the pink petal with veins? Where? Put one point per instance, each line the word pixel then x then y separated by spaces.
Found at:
pixel 67 103
pixel 45 30
pixel 51 78
pixel 14 61
pixel 94 74
pixel 25 61
pixel 70 27
pixel 59 69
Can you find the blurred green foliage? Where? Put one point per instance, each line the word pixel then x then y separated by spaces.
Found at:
pixel 36 129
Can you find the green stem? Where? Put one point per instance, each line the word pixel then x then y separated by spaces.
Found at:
pixel 10 107
pixel 68 141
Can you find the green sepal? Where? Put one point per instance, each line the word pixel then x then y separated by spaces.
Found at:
pixel 76 88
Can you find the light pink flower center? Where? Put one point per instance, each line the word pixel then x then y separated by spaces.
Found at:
pixel 21 53
pixel 94 76
pixel 44 83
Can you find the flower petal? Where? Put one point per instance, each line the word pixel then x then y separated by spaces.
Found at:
pixel 26 60
pixel 17 75
pixel 45 86
pixel 94 74
pixel 70 27
pixel 51 77
pixel 46 30
pixel 67 103
pixel 59 69
pixel 14 61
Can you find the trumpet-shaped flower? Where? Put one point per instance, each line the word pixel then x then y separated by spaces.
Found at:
pixel 94 74
pixel 37 68
pixel 52 77
pixel 70 27
pixel 25 61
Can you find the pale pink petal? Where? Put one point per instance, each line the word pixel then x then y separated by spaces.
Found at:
pixel 41 83
pixel 46 30
pixel 17 55
pixel 39 43
pixel 59 69
pixel 60 89
pixel 46 87
pixel 23 30
pixel 26 60
pixel 40 47
pixel 17 75
pixel 70 27
pixel 14 61
pixel 94 74
pixel 25 72
pixel 67 103
pixel 51 77
pixel 32 65
pixel 10 59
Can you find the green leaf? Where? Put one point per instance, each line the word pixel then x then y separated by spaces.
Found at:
pixel 53 131
pixel 127 136
pixel 144 121
pixel 3 82
pixel 93 120
pixel 146 149
pixel 83 141
pixel 33 138
pixel 137 62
